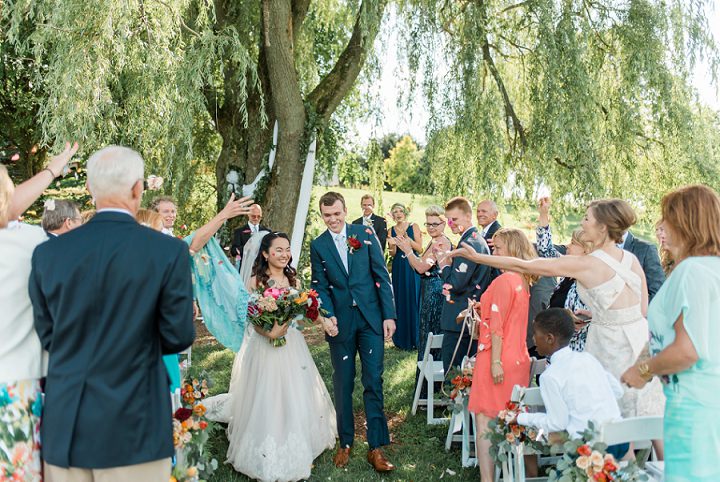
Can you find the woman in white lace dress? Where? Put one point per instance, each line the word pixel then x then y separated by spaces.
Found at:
pixel 279 411
pixel 612 282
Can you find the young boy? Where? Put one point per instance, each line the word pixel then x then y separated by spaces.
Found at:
pixel 575 387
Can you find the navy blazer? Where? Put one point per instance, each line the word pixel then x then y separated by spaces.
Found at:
pixel 367 284
pixel 468 281
pixel 109 298
pixel 649 259
pixel 380 227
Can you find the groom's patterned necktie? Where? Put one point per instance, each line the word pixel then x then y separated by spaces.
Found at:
pixel 342 249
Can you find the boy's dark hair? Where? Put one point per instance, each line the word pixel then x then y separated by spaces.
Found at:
pixel 556 321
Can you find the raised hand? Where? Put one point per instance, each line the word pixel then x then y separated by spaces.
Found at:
pixel 544 211
pixel 58 163
pixel 234 208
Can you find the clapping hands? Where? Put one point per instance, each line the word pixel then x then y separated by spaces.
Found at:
pixel 403 243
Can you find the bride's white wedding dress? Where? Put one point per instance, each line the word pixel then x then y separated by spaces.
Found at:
pixel 279 411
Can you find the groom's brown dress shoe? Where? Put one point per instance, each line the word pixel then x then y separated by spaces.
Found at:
pixel 379 462
pixel 342 457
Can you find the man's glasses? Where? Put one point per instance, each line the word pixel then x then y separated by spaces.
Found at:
pixel 433 225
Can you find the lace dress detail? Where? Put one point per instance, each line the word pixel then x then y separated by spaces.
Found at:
pixel 617 336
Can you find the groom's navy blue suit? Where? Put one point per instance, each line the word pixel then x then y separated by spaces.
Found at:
pixel 109 298
pixel 360 298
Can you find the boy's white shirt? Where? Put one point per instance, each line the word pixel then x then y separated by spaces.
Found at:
pixel 575 389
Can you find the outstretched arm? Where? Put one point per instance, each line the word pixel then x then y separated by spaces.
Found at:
pixel 568 266
pixel 232 209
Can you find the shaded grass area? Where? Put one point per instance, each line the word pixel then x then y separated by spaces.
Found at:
pixel 417 450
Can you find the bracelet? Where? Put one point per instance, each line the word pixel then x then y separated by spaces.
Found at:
pixel 644 371
pixel 50 171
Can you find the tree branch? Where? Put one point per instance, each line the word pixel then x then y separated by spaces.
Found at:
pixel 299 11
pixel 511 118
pixel 333 88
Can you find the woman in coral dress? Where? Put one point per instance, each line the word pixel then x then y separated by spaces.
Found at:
pixel 502 359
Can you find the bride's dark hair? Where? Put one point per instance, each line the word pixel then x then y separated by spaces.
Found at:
pixel 261 265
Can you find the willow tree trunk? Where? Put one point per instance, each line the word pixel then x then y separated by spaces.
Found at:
pixel 245 147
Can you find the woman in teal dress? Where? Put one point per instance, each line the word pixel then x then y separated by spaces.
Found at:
pixel 405 281
pixel 685 334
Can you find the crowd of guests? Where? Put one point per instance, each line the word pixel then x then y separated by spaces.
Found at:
pixel 596 323
pixel 589 297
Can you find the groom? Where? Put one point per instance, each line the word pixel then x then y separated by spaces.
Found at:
pixel 349 274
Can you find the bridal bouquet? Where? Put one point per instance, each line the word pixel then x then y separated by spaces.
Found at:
pixel 282 305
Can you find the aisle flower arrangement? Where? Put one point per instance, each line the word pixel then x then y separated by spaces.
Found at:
pixel 191 431
pixel 462 384
pixel 506 435
pixel 586 460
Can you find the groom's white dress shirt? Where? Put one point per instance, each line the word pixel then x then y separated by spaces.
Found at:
pixel 575 389
pixel 341 245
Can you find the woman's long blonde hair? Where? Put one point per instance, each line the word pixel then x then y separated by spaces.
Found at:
pixel 151 219
pixel 6 194
pixel 518 246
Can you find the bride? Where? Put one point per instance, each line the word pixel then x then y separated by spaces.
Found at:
pixel 279 411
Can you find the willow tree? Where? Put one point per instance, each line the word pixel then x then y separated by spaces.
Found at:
pixel 590 98
pixel 187 81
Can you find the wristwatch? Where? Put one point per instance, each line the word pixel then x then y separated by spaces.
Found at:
pixel 644 370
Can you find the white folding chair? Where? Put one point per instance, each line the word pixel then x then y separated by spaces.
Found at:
pixel 431 371
pixel 514 469
pixel 639 431
pixel 536 368
pixel 464 423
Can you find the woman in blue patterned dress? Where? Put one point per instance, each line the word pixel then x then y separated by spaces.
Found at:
pixel 431 297
pixel 685 333
pixel 565 295
pixel 405 281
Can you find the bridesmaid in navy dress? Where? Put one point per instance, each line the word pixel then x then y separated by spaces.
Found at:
pixel 405 281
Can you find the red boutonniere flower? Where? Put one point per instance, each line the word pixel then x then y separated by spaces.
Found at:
pixel 353 244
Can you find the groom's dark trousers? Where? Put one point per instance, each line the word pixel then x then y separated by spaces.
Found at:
pixel 360 297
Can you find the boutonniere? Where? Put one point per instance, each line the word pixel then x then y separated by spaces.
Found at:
pixel 353 244
pixel 247 231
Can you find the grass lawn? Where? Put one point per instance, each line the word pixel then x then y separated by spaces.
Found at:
pixel 417 449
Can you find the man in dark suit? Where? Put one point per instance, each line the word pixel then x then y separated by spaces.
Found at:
pixel 487 213
pixel 60 216
pixel 349 274
pixel 649 259
pixel 465 280
pixel 243 233
pixel 109 299
pixel 370 219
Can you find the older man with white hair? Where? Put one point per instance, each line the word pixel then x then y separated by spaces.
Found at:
pixel 109 298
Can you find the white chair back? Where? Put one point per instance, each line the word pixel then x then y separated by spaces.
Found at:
pixel 536 368
pixel 531 397
pixel 635 429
